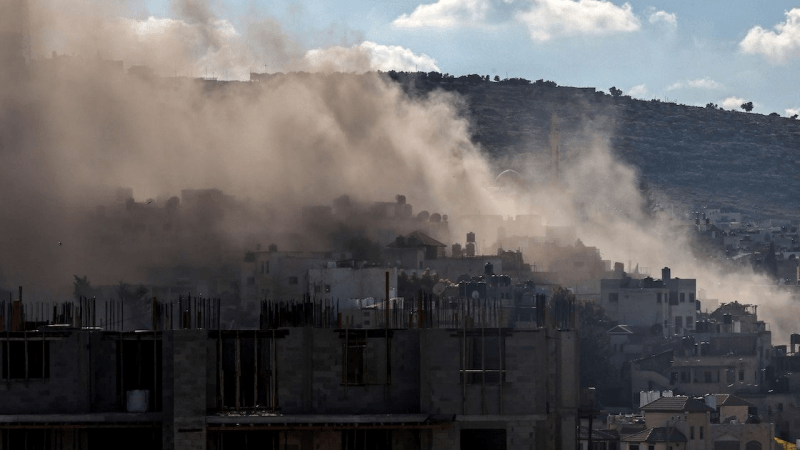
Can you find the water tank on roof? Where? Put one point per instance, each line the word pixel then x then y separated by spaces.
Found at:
pixel 273 248
pixel 488 268
pixel 435 218
pixel 456 249
pixel 471 249
pixel 423 215
pixel 470 237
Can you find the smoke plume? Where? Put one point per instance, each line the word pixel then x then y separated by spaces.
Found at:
pixel 75 126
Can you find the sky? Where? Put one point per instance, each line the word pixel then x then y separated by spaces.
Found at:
pixel 690 52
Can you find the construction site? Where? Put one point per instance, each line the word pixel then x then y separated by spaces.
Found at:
pixel 434 373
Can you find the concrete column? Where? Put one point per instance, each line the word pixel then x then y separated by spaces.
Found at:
pixel 184 413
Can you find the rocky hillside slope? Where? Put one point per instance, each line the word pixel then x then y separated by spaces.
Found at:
pixel 697 156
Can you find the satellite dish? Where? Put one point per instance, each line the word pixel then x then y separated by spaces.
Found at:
pixel 438 288
pixel 475 295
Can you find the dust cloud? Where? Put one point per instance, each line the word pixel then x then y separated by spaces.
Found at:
pixel 95 96
pixel 76 126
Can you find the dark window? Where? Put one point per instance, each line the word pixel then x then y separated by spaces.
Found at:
pixel 245 376
pixel 363 358
pixel 707 376
pixel 483 358
pixel 633 447
pixel 613 297
pixel 139 368
pixel 292 280
pixel 327 288
pixel 483 439
pixel 366 439
pixel 691 297
pixel 701 432
pixel 38 359
pixel 691 432
pixel 753 445
pixel 353 360
pixel 245 440
pixel 658 297
pixel 683 297
pixel 689 322
pixel 678 323
pixel 741 375
pixel 651 447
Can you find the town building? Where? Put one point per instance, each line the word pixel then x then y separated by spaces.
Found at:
pixel 666 306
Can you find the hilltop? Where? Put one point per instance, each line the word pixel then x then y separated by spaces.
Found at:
pixel 698 156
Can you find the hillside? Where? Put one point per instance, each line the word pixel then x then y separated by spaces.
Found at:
pixel 697 156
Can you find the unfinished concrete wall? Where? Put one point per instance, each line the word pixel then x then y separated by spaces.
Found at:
pixel 185 360
pixel 522 392
pixel 310 374
pixel 82 376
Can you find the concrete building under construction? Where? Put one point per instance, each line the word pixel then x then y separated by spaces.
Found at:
pixel 434 374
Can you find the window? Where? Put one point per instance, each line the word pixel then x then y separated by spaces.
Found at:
pixel 658 297
pixel 691 432
pixel 613 297
pixel 327 288
pixel 707 376
pixel 683 297
pixel 292 280
pixel 741 375
pixel 633 446
pixel 753 445
pixel 244 370
pixel 483 358
pixel 689 322
pixel 364 357
pixel 366 439
pixel 483 439
pixel 701 432
pixel 691 297
pixel 139 368
pixel 651 447
pixel 678 323
pixel 264 267
pixel 36 353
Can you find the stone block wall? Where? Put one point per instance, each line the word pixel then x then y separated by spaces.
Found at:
pixel 82 377
pixel 310 363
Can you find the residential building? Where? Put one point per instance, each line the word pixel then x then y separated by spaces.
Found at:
pixel 666 306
